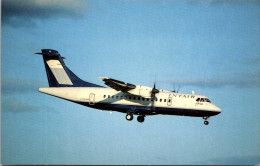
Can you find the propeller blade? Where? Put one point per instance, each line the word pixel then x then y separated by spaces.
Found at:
pixel 154 90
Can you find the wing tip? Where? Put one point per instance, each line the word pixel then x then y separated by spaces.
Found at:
pixel 103 78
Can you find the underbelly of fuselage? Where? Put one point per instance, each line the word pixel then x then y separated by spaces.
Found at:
pixel 148 110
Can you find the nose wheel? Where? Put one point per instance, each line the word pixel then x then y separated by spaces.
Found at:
pixel 206 118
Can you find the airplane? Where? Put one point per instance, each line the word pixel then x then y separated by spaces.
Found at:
pixel 120 96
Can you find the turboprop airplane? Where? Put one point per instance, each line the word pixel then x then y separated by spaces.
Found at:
pixel 122 97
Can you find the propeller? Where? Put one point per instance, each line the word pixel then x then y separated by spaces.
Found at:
pixel 174 89
pixel 154 91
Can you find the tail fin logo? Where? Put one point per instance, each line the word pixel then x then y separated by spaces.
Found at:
pixel 59 73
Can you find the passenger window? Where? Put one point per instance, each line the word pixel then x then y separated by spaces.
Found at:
pixel 121 97
pixel 138 98
pixel 169 100
pixel 108 96
pixel 147 99
pixel 133 98
pixel 112 97
pixel 129 97
pixel 117 97
pixel 164 100
pixel 160 100
pixel 104 96
pixel 143 99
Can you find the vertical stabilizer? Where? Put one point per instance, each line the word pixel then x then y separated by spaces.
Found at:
pixel 58 74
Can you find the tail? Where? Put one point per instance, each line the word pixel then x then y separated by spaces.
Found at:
pixel 58 74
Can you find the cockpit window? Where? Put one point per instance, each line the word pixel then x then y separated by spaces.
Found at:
pixel 203 100
pixel 207 100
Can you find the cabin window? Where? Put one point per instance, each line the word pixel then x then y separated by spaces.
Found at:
pixel 169 100
pixel 104 96
pixel 117 97
pixel 112 96
pixel 202 100
pixel 160 100
pixel 198 99
pixel 108 96
pixel 147 99
pixel 133 98
pixel 121 97
pixel 151 99
pixel 138 98
pixel 164 100
pixel 143 99
pixel 129 97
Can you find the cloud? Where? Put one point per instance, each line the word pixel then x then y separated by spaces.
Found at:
pixel 15 106
pixel 24 13
pixel 11 86
pixel 246 82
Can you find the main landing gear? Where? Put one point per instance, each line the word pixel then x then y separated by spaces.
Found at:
pixel 140 118
pixel 130 117
pixel 206 118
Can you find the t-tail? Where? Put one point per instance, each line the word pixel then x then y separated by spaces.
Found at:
pixel 58 74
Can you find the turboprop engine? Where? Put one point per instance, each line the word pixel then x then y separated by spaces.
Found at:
pixel 143 91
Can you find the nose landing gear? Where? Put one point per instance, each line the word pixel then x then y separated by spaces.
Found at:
pixel 206 118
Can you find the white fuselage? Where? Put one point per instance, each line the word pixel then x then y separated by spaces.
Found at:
pixel 165 102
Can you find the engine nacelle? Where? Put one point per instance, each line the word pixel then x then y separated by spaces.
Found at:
pixel 143 91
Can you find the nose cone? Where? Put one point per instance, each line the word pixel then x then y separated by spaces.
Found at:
pixel 217 109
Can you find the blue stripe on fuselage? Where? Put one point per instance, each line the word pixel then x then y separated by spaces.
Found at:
pixel 146 110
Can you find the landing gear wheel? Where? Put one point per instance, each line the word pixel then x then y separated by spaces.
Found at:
pixel 129 117
pixel 140 118
pixel 206 122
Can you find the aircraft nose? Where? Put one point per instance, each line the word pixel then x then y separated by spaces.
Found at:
pixel 217 109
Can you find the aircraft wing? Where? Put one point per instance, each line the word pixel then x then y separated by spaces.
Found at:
pixel 117 85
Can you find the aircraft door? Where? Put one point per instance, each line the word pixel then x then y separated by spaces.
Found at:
pixel 169 101
pixel 91 99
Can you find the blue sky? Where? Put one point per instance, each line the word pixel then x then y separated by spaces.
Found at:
pixel 211 47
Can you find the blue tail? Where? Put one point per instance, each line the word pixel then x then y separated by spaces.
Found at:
pixel 58 74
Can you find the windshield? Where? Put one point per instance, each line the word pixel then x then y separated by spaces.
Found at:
pixel 203 100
